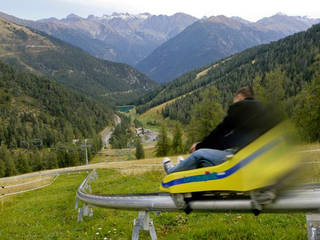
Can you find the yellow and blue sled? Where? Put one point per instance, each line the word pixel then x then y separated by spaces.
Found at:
pixel 260 164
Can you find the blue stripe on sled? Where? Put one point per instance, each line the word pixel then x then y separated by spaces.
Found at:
pixel 220 175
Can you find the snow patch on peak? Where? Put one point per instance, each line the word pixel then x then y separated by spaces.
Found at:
pixel 126 16
pixel 281 14
pixel 144 15
pixel 73 16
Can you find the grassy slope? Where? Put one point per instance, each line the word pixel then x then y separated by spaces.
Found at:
pixel 49 214
pixel 154 113
pixel 12 187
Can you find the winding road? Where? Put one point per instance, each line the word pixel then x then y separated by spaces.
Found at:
pixel 107 132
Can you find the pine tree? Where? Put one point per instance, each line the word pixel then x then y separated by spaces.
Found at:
pixel 10 165
pixel 68 133
pixel 2 168
pixel 38 164
pixel 139 149
pixel 10 168
pixel 2 136
pixel 307 109
pixel 270 90
pixel 75 157
pixel 206 115
pixel 22 163
pixel 163 144
pixel 97 143
pixel 177 145
pixel 53 161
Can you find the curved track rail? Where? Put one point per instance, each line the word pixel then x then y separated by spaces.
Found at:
pixel 305 199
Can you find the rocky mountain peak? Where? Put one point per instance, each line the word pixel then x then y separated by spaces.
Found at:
pixel 287 24
pixel 73 16
pixel 92 17
pixel 126 16
pixel 52 19
pixel 225 20
pixel 283 16
pixel 239 19
pixel 280 14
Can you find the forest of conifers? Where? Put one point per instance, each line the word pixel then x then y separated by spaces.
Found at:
pixel 40 118
pixel 38 114
pixel 294 56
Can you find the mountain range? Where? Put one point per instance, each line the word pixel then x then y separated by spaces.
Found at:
pixel 38 53
pixel 164 47
pixel 293 56
pixel 214 38
pixel 120 37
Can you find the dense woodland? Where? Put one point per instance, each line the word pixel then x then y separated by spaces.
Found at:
pixel 294 55
pixel 40 119
pixel 285 75
pixel 106 81
pixel 180 109
pixel 303 109
pixel 123 135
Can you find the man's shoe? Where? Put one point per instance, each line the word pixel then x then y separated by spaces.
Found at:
pixel 179 159
pixel 167 164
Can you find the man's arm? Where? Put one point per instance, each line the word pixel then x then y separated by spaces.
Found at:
pixel 193 147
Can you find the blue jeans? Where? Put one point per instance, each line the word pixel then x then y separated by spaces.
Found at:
pixel 204 157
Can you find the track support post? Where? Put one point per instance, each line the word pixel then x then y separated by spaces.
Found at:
pixel 313 225
pixel 80 214
pixel 143 222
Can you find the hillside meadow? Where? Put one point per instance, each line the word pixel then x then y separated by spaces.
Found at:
pixel 49 213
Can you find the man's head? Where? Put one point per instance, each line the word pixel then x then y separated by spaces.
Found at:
pixel 243 93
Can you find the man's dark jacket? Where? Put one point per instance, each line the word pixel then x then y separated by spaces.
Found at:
pixel 246 120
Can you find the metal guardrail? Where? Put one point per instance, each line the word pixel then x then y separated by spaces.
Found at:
pixel 305 199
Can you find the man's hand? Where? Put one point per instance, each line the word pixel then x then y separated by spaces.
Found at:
pixel 193 147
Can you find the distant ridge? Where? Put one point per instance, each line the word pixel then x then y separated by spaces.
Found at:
pixel 294 55
pixel 164 47
pixel 213 38
pixel 35 52
pixel 120 37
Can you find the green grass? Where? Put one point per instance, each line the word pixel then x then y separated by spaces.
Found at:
pixel 49 214
pixel 150 152
pixel 114 155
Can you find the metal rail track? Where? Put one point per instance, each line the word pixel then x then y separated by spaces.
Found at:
pixel 29 190
pixel 305 199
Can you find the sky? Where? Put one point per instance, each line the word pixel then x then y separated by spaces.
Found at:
pixel 248 9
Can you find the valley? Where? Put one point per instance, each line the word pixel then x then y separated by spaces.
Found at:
pixel 56 202
pixel 119 37
pixel 118 93
pixel 35 52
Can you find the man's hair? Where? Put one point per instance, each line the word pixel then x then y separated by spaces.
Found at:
pixel 247 92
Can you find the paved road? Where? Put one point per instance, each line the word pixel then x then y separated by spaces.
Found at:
pixel 107 132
